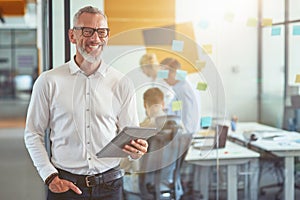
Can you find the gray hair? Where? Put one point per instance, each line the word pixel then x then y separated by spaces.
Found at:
pixel 87 9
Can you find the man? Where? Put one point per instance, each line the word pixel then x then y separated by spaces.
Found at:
pixel 150 65
pixel 186 94
pixel 85 103
pixel 154 105
pixel 145 77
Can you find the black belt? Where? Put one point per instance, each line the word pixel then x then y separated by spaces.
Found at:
pixel 92 180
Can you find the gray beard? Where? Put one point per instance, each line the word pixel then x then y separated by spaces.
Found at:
pixel 88 57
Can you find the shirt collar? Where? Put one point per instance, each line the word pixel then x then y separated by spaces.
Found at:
pixel 74 68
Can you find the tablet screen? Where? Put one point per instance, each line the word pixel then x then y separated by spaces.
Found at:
pixel 114 148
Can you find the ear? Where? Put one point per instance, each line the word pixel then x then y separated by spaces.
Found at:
pixel 72 36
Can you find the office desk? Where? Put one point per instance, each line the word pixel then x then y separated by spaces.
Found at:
pixel 284 144
pixel 231 156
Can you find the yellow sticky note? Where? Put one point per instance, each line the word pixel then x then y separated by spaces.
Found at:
pixel 201 86
pixel 252 22
pixel 200 64
pixel 229 16
pixel 297 78
pixel 267 22
pixel 176 105
pixel 207 48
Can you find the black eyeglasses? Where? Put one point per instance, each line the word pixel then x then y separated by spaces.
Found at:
pixel 88 32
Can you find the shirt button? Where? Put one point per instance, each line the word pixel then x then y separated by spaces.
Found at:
pixel 89 158
pixel 88 126
pixel 87 109
pixel 88 142
pixel 88 93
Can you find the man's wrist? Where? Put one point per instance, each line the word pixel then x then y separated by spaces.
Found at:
pixel 50 178
pixel 132 159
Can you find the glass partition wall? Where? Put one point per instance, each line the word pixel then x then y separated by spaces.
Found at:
pixel 18 70
pixel 25 43
pixel 280 63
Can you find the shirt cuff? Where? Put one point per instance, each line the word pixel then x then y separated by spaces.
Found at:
pixel 131 159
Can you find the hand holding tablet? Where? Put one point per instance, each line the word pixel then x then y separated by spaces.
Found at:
pixel 125 137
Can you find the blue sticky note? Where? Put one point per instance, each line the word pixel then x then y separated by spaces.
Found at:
pixel 276 31
pixel 163 74
pixel 177 45
pixel 203 24
pixel 296 30
pixel 180 75
pixel 206 122
pixel 297 141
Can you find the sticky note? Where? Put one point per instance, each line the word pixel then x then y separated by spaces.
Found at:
pixel 206 122
pixel 229 16
pixel 163 74
pixel 177 45
pixel 176 105
pixel 252 22
pixel 201 86
pixel 207 48
pixel 276 31
pixel 297 141
pixel 267 22
pixel 297 78
pixel 296 30
pixel 200 64
pixel 180 75
pixel 203 24
pixel 259 80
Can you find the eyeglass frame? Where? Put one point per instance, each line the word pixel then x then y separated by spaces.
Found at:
pixel 94 30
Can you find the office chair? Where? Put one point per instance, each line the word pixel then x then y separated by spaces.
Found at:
pixel 160 167
pixel 276 167
pixel 297 173
pixel 279 169
pixel 269 163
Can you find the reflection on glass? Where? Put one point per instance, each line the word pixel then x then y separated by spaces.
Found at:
pixel 272 76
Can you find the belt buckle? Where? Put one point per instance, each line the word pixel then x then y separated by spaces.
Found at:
pixel 90 183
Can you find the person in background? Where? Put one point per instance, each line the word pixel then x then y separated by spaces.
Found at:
pixel 145 77
pixel 184 92
pixel 85 103
pixel 154 106
pixel 153 103
pixel 149 65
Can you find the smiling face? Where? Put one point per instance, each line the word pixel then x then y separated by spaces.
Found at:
pixel 88 48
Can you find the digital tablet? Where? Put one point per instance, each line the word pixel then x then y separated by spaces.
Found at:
pixel 114 148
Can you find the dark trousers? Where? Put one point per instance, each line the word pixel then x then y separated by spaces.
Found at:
pixel 112 190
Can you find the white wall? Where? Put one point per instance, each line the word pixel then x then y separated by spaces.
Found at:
pixel 222 23
pixel 237 64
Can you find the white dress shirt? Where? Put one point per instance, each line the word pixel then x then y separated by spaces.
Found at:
pixel 190 111
pixel 83 112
